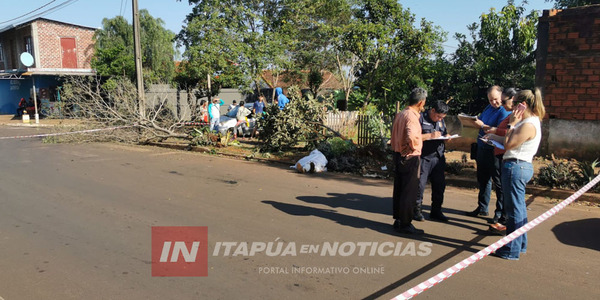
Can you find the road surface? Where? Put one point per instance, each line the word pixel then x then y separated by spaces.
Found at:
pixel 76 223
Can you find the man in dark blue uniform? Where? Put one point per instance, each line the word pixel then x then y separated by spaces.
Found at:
pixel 433 161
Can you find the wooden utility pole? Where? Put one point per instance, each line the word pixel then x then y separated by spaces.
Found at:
pixel 138 60
pixel 209 88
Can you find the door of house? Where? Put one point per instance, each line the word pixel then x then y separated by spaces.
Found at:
pixel 69 53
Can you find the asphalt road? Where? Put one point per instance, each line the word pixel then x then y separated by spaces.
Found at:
pixel 76 221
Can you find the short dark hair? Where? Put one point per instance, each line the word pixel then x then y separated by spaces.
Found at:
pixel 509 92
pixel 440 107
pixel 417 95
pixel 242 103
pixel 234 101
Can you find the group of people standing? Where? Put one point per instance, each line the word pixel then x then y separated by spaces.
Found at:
pixel 512 118
pixel 211 113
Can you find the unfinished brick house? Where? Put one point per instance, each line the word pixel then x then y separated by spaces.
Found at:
pixel 58 48
pixel 568 70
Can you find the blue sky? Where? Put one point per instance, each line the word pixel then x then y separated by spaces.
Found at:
pixel 452 16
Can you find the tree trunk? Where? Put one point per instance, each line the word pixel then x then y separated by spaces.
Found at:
pixel 370 85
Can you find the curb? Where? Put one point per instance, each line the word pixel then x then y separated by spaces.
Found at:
pixel 208 150
pixel 466 182
pixel 26 125
pixel 452 180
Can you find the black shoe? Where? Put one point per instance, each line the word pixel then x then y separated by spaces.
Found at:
pixel 396 225
pixel 438 216
pixel 418 216
pixel 410 229
pixel 503 256
pixel 476 213
pixel 418 213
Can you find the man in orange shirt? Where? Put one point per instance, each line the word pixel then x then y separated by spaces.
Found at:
pixel 407 144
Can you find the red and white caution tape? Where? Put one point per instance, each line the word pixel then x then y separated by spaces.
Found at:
pixel 61 133
pixel 429 283
pixel 194 124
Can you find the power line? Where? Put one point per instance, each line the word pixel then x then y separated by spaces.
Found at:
pixel 448 46
pixel 50 10
pixel 122 7
pixel 28 12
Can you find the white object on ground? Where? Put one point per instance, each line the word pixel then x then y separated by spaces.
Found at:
pixel 314 162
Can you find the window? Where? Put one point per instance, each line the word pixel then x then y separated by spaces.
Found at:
pixel 28 47
pixel 1 53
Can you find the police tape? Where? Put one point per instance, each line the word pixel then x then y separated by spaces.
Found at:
pixel 194 124
pixel 62 133
pixel 429 283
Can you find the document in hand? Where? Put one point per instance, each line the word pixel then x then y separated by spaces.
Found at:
pixel 465 116
pixel 468 121
pixel 493 143
pixel 446 137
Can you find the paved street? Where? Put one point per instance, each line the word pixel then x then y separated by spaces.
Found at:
pixel 76 219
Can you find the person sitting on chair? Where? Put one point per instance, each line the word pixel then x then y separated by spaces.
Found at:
pixel 22 107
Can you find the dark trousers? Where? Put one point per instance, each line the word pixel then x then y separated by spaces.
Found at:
pixel 488 167
pixel 406 187
pixel 498 162
pixel 432 168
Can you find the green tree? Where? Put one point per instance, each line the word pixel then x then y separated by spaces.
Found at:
pixel 114 49
pixel 158 49
pixel 314 24
pixel 501 52
pixel 225 33
pixel 390 48
pixel 560 4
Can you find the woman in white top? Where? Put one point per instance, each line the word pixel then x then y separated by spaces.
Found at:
pixel 521 143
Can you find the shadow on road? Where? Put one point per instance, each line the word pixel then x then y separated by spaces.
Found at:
pixel 580 233
pixel 353 201
pixel 378 205
pixel 357 222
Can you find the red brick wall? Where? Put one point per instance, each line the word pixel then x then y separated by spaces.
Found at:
pixel 49 35
pixel 571 79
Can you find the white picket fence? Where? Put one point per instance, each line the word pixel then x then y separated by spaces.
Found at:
pixel 343 122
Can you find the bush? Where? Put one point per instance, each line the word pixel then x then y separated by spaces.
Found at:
pixel 336 147
pixel 586 170
pixel 567 174
pixel 300 121
pixel 376 125
pixel 203 137
pixel 557 174
pixel 340 154
pixel 455 167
